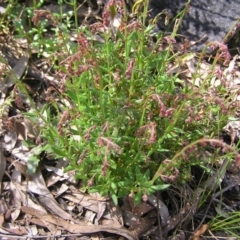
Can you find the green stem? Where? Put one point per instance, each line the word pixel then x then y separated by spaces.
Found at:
pixel 75 14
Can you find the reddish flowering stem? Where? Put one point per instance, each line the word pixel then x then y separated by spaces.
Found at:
pixel 174 161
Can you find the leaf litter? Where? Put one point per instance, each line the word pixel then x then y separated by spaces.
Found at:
pixel 47 203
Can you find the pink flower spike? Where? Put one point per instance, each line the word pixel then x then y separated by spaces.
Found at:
pixel 130 68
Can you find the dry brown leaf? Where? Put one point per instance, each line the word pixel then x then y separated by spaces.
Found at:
pixel 18 189
pixel 52 228
pixel 3 206
pixel 20 152
pixel 61 190
pixel 1 219
pixel 22 168
pixel 163 210
pixel 101 209
pixel 16 73
pixel 126 204
pixel 144 224
pixel 37 185
pixel 14 228
pixel 113 213
pixel 102 205
pixel 2 167
pixel 15 214
pixel 84 201
pixel 32 130
pixel 10 140
pixel 32 230
pixel 79 228
pixel 52 179
pixel 3 231
pixel 20 130
pixel 28 202
pixel 130 218
pixel 58 173
pixel 142 209
pixel 19 68
pixel 15 201
pixel 200 232
pixel 90 216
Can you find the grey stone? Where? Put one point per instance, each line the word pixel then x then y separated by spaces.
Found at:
pixel 213 18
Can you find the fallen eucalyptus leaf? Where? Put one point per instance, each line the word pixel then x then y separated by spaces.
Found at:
pixel 37 185
pixel 2 167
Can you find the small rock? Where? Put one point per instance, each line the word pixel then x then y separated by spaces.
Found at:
pixel 212 18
